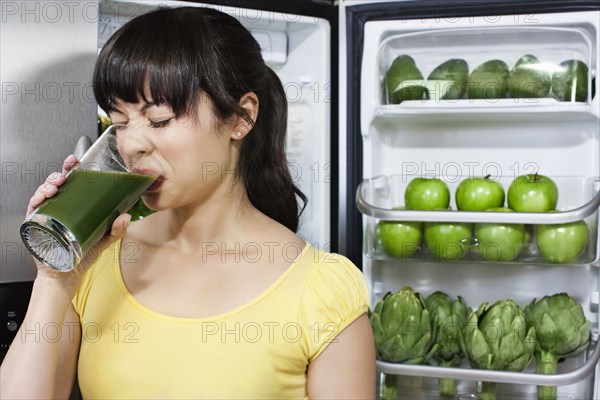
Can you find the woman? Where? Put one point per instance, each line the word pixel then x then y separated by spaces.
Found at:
pixel 214 295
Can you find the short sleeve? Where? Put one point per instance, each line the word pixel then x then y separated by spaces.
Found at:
pixel 334 295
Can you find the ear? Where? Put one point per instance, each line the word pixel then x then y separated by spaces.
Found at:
pixel 241 127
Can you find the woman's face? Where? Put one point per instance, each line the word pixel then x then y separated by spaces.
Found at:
pixel 192 158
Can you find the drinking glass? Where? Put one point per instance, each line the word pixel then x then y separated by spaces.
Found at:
pixel 104 184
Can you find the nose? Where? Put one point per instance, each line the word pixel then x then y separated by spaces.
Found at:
pixel 133 144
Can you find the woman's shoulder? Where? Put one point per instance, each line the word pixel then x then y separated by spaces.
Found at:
pixel 329 270
pixel 334 295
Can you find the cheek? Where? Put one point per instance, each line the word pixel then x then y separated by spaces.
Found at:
pixel 195 150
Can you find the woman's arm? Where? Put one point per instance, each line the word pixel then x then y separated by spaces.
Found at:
pixel 41 360
pixel 346 367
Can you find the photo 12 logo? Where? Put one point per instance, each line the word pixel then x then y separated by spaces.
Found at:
pixel 47 92
pixel 50 12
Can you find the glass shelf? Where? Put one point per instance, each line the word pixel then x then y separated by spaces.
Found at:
pixel 424 52
pixel 579 199
pixel 574 379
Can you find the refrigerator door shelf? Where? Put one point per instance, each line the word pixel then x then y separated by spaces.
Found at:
pixel 574 379
pixel 443 253
pixel 458 52
pixel 528 253
pixel 469 110
pixel 565 377
pixel 579 198
pixel 551 38
pixel 378 199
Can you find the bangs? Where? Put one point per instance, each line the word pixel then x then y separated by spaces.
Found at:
pixel 148 59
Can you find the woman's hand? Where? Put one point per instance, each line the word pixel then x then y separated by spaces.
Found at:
pixel 48 189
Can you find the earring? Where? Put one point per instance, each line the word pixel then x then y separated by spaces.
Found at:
pixel 238 134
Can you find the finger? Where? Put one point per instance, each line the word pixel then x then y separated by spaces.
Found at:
pixel 70 162
pixel 56 179
pixel 42 193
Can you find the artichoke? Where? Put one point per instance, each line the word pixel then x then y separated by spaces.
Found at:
pixel 403 331
pixel 497 338
pixel 562 331
pixel 450 316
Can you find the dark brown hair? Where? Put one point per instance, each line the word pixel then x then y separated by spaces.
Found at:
pixel 178 53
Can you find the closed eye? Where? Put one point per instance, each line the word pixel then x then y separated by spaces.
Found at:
pixel 160 124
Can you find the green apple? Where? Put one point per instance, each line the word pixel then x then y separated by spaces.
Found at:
pixel 532 193
pixel 427 194
pixel 479 194
pixel 562 243
pixel 528 234
pixel 448 241
pixel 497 241
pixel 399 238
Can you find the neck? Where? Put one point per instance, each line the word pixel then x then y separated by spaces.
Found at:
pixel 223 217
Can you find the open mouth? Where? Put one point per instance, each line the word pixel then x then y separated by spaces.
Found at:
pixel 159 178
pixel 157 184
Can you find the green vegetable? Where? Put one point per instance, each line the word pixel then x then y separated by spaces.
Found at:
pixel 103 123
pixel 450 316
pixel 571 82
pixel 139 210
pixel 528 78
pixel 397 87
pixel 488 80
pixel 562 332
pixel 454 70
pixel 498 338
pixel 403 332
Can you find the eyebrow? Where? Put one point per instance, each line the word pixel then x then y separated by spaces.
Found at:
pixel 142 108
pixel 147 106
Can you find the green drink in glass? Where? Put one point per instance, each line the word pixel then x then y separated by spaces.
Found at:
pixel 64 227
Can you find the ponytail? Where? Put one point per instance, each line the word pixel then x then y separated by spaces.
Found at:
pixel 263 163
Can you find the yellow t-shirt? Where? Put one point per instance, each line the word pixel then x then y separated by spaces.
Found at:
pixel 259 350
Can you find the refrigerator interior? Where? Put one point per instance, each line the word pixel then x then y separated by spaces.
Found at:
pixel 297 48
pixel 467 137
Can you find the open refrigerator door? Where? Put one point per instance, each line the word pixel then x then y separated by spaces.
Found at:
pixel 448 97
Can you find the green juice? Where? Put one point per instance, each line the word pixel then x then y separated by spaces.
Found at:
pixel 89 201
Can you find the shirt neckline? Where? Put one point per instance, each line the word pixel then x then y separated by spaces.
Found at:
pixel 270 289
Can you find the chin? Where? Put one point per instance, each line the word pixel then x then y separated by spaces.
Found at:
pixel 152 201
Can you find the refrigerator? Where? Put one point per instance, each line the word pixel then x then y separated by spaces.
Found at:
pixel 353 152
pixel 389 137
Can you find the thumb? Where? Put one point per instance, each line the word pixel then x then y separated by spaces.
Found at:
pixel 119 227
pixel 117 230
